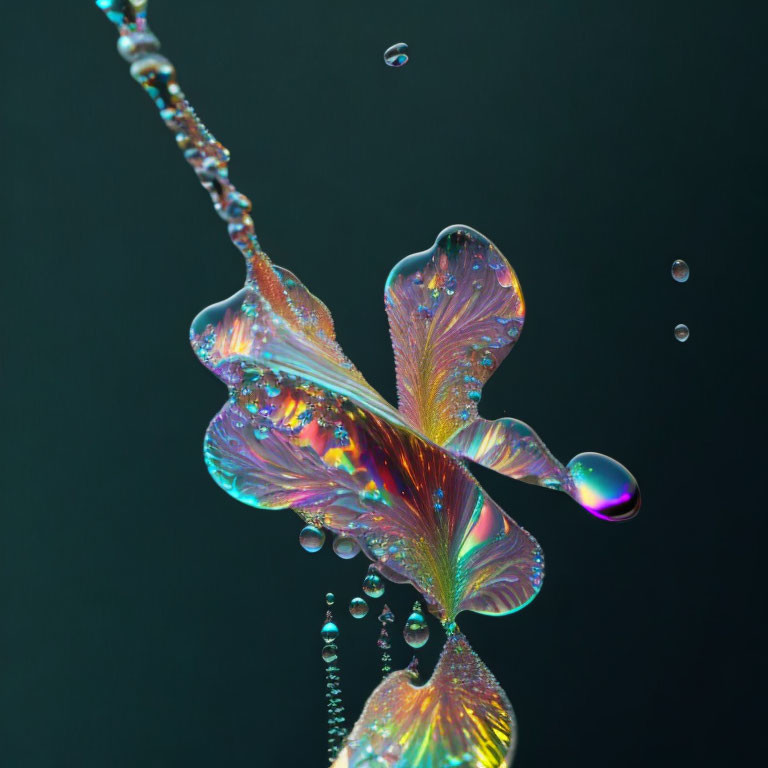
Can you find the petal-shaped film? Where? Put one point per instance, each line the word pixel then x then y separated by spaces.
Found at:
pixel 454 313
pixel 598 483
pixel 242 336
pixel 461 717
pixel 511 448
pixel 414 509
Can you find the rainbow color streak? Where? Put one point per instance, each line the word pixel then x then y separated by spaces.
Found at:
pixel 302 429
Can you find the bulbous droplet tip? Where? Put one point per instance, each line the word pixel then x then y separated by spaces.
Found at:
pixel 605 488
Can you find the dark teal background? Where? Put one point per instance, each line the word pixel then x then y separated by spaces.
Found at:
pixel 147 619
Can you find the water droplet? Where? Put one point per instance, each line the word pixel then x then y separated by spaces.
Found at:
pixel 330 653
pixel 603 486
pixel 345 547
pixel 386 616
pixel 681 332
pixel 680 271
pixel 416 631
pixel 311 538
pixel 237 206
pixel 330 598
pixel 358 608
pixel 373 585
pixel 383 641
pixel 396 55
pixel 329 631
pixel 137 44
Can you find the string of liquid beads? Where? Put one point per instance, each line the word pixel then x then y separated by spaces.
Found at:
pixel 335 708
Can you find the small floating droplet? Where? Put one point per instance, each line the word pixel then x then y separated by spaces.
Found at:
pixel 386 616
pixel 681 332
pixel 451 628
pixel 358 608
pixel 330 653
pixel 329 598
pixel 416 631
pixel 373 586
pixel 680 271
pixel 311 538
pixel 396 55
pixel 345 547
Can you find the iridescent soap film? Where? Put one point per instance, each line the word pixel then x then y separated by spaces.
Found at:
pixel 302 429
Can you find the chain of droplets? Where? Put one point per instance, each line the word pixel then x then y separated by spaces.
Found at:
pixel 385 617
pixel 209 159
pixel 337 730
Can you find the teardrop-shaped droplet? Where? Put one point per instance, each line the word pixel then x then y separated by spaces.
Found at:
pixel 329 632
pixel 681 332
pixel 680 271
pixel 330 598
pixel 330 653
pixel 416 631
pixel 345 547
pixel 311 538
pixel 386 616
pixel 396 55
pixel 358 608
pixel 373 585
pixel 604 487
